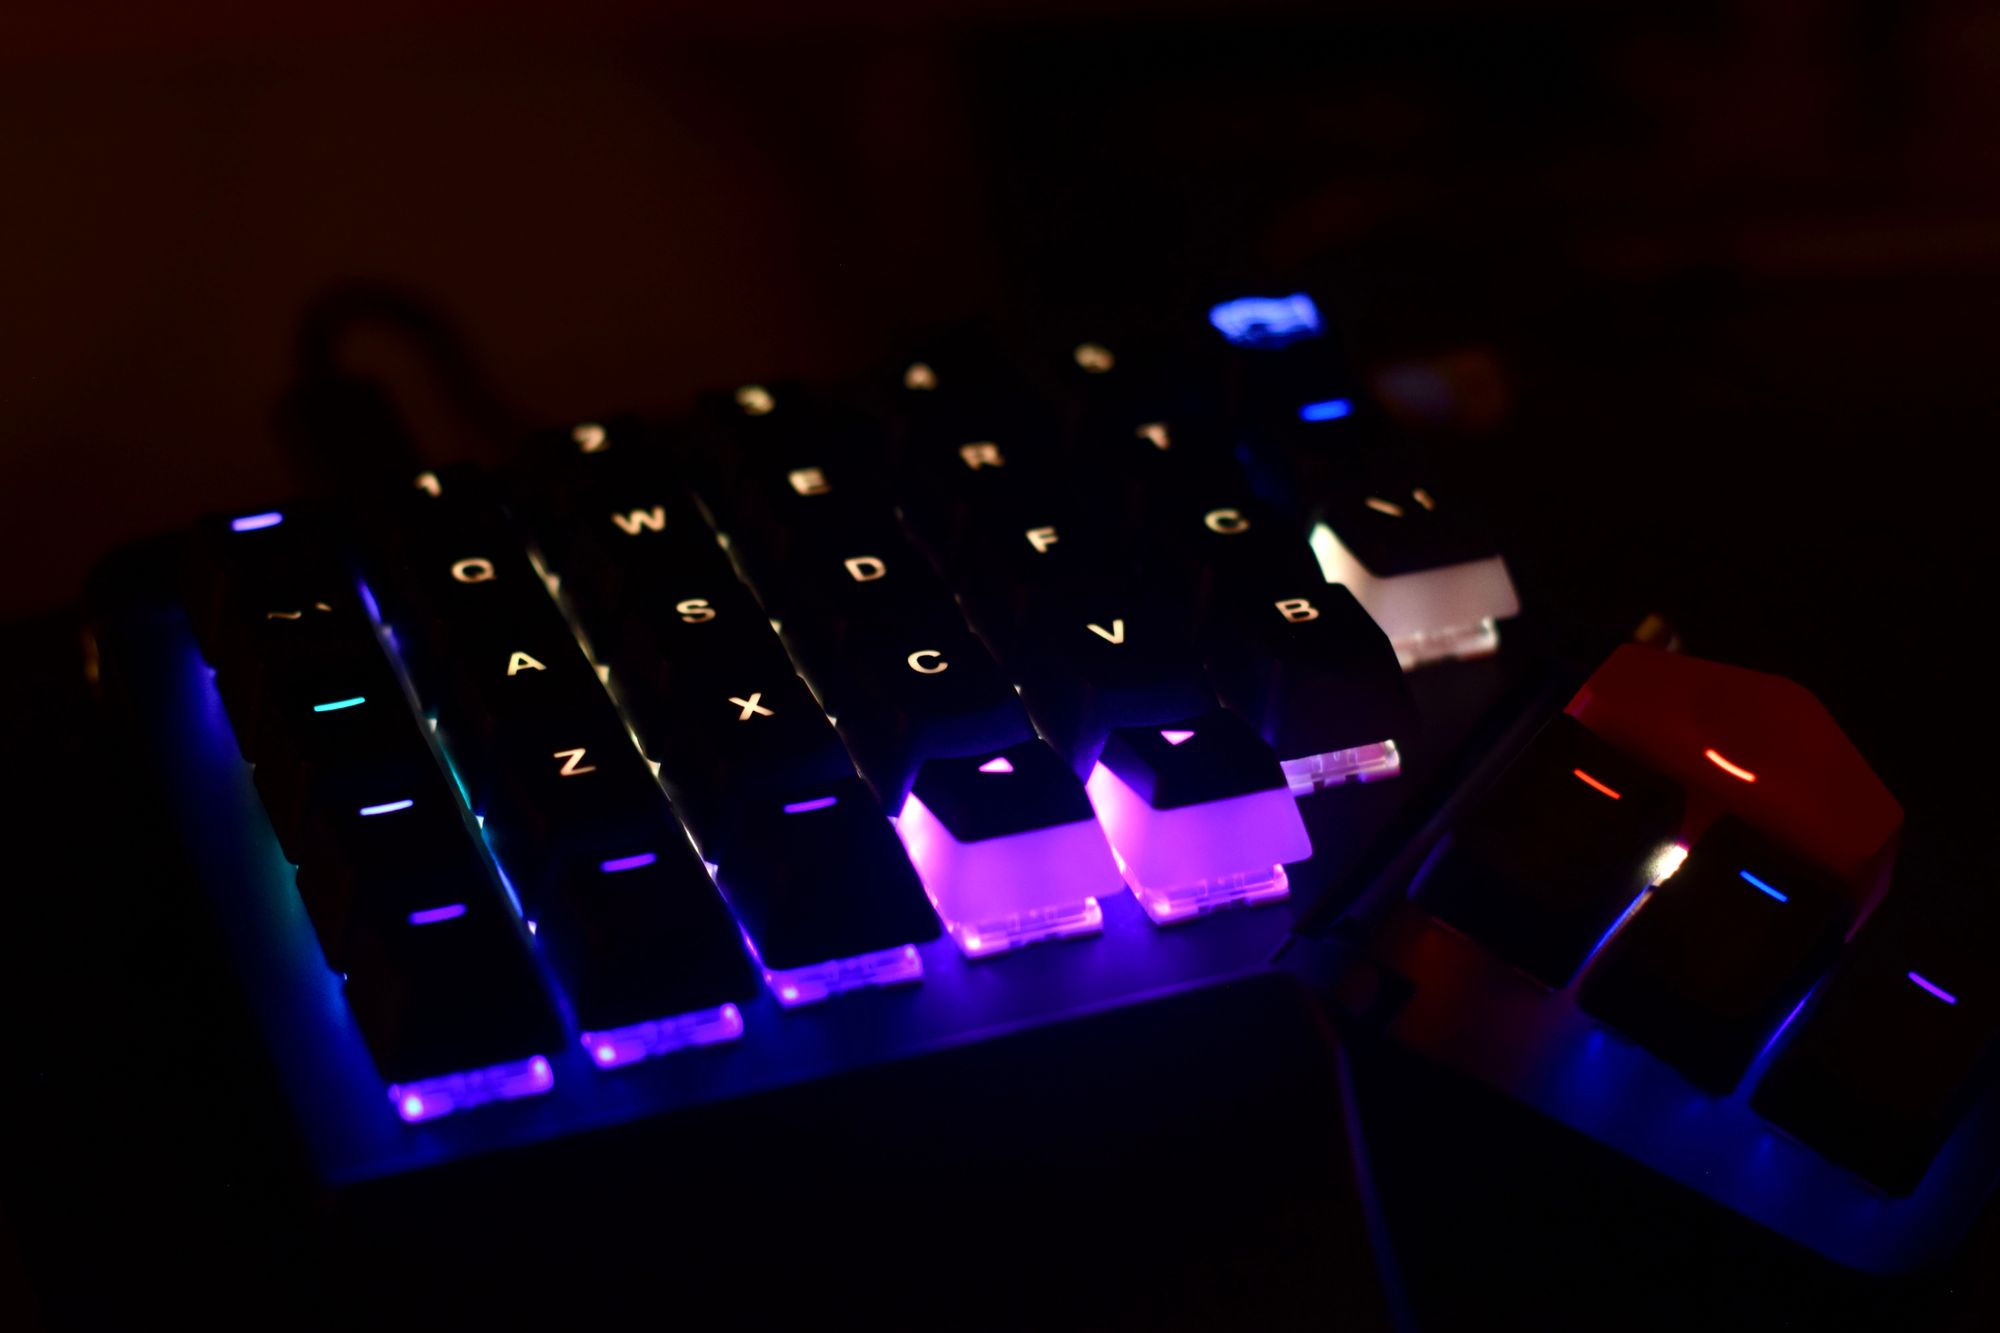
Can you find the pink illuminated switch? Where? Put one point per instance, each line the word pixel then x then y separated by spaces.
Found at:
pixel 1008 848
pixel 1200 815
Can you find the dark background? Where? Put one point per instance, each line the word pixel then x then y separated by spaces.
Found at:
pixel 1712 285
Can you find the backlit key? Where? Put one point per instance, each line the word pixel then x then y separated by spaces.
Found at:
pixel 1008 848
pixel 1199 814
pixel 1879 1070
pixel 1542 865
pixel 1707 969
pixel 825 893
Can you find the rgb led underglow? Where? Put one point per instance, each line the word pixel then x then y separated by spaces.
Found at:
pixel 252 522
pixel 996 894
pixel 433 1097
pixel 798 986
pixel 1327 409
pixel 1362 763
pixel 1194 859
pixel 661 1036
pixel 1266 321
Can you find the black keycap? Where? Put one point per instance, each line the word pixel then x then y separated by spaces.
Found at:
pixel 567 789
pixel 1218 550
pixel 925 690
pixel 236 568
pixel 1305 663
pixel 822 877
pixel 1193 760
pixel 1146 474
pixel 370 868
pixel 1539 868
pixel 632 547
pixel 345 765
pixel 1285 362
pixel 1880 1068
pixel 501 677
pixel 968 798
pixel 1033 551
pixel 724 739
pixel 641 935
pixel 787 479
pixel 573 479
pixel 852 582
pixel 954 476
pixel 1387 509
pixel 1088 662
pixel 449 993
pixel 1719 955
pixel 685 627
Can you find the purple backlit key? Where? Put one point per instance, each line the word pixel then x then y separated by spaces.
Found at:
pixel 641 938
pixel 1008 848
pixel 1880 1068
pixel 446 996
pixel 1199 814
pixel 824 892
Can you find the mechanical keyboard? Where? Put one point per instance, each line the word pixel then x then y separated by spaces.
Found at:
pixel 679 762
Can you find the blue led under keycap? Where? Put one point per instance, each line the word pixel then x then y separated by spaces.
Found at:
pixel 1327 409
pixel 1266 321
pixel 252 522
pixel 1762 887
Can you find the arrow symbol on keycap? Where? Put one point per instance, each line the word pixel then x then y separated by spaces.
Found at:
pixel 1176 737
pixel 1000 765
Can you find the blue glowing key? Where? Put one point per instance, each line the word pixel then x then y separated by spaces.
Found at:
pixel 807 807
pixel 1935 989
pixel 1327 409
pixel 1763 888
pixel 339 704
pixel 618 863
pixel 252 522
pixel 1266 321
